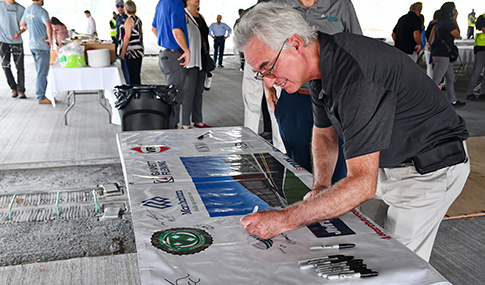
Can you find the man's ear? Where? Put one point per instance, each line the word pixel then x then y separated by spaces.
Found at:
pixel 297 43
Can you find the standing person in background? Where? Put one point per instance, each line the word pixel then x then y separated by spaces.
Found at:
pixel 194 82
pixel 471 25
pixel 219 32
pixel 112 30
pixel 407 32
pixel 59 32
pixel 11 44
pixel 441 39
pixel 479 50
pixel 241 54
pixel 120 19
pixel 170 27
pixel 131 41
pixel 36 20
pixel 427 49
pixel 91 29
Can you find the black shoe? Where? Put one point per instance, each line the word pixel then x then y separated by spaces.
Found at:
pixel 458 104
pixel 266 135
pixel 221 65
pixel 472 97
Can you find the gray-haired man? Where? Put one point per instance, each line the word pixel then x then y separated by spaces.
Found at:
pixel 393 120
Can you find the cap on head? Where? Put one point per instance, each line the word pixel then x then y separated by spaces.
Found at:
pixel 120 2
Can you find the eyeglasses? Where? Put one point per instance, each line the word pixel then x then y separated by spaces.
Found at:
pixel 269 73
pixel 119 6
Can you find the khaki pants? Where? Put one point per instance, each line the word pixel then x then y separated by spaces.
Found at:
pixel 411 206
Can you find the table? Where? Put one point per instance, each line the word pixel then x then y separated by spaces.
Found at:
pixel 466 55
pixel 83 79
pixel 189 188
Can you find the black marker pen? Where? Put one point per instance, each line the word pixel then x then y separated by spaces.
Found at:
pixel 203 135
pixel 335 246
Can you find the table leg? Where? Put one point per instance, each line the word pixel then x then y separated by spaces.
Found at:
pixel 100 99
pixel 69 106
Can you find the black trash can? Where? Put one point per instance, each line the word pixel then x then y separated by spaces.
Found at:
pixel 145 107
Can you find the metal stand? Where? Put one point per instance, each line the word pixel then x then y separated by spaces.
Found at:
pixel 101 100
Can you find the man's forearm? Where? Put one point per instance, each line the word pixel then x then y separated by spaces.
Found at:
pixel 324 155
pixel 348 193
pixel 180 39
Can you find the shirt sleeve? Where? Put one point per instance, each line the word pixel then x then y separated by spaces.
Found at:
pixel 179 20
pixel 364 113
pixel 229 30
pixel 352 24
pixel 45 16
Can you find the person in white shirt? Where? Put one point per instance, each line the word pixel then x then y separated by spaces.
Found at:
pixel 91 24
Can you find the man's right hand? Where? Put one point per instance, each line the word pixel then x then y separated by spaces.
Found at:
pixel 184 58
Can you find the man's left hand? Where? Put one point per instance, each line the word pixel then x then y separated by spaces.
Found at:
pixel 265 224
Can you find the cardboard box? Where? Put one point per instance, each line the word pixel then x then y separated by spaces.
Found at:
pixel 110 47
pixel 53 57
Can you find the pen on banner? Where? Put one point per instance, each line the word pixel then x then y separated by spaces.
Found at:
pixel 335 246
pixel 203 135
pixel 362 274
pixel 256 208
pixel 313 264
pixel 306 261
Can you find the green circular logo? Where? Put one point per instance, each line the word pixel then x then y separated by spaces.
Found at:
pixel 182 241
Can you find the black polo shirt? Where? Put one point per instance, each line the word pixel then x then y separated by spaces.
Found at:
pixel 378 99
pixel 404 31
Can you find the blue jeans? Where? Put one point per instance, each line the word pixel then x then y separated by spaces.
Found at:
pixel 295 119
pixel 219 43
pixel 42 59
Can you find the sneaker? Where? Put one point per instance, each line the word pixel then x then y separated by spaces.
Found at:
pixel 14 94
pixel 458 104
pixel 46 101
pixel 221 65
pixel 472 97
pixel 203 126
pixel 22 95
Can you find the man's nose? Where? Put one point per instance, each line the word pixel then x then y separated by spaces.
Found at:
pixel 269 80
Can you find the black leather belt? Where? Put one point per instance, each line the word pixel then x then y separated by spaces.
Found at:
pixel 304 92
pixel 219 37
pixel 173 50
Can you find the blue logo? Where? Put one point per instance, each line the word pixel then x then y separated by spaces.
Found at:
pixel 330 18
pixel 157 202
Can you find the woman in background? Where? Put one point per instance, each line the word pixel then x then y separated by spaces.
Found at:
pixel 131 43
pixel 194 82
pixel 59 32
pixel 442 38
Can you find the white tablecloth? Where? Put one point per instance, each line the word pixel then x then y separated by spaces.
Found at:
pixel 84 78
pixel 189 188
pixel 466 55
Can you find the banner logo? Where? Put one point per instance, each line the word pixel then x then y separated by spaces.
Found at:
pixel 182 241
pixel 150 149
pixel 157 202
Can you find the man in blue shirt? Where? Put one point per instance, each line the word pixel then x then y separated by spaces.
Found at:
pixel 11 44
pixel 219 32
pixel 36 20
pixel 170 27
